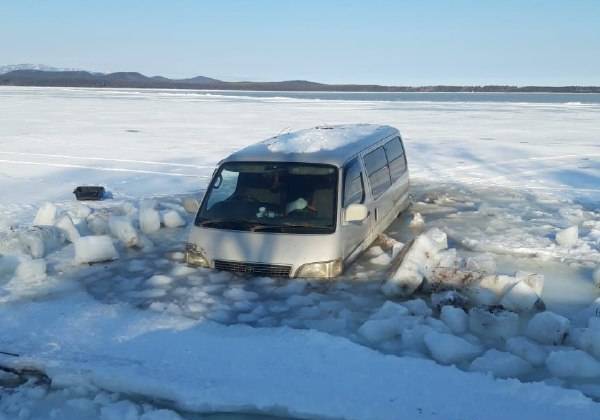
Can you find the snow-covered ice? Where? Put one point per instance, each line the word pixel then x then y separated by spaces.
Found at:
pixel 136 328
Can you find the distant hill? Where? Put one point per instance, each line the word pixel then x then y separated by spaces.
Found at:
pixel 49 76
pixel 41 67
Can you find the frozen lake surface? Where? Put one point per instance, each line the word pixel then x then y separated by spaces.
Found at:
pixel 144 332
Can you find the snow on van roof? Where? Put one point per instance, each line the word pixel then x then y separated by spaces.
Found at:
pixel 332 144
pixel 322 138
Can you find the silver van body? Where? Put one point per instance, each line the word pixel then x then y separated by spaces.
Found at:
pixel 364 168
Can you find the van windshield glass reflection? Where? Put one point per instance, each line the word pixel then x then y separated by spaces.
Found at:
pixel 271 197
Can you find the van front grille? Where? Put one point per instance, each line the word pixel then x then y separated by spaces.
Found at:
pixel 256 269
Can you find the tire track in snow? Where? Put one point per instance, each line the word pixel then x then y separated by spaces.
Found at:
pixel 529 159
pixel 147 162
pixel 99 168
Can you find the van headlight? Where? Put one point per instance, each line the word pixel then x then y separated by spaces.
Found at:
pixel 323 269
pixel 195 257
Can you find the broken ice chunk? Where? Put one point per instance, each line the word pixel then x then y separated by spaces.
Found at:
pixel 388 310
pixel 533 280
pixel 378 330
pixel 382 259
pixel 98 223
pixel 448 297
pixel 493 324
pixel 498 284
pixel 450 349
pixel 572 364
pixel 159 280
pixel 172 219
pixel 374 251
pixel 501 364
pixel 417 222
pixel 122 229
pixel 397 248
pixel 66 225
pixel 418 263
pixel 90 249
pixel 191 205
pixel 31 270
pixel 521 298
pixel 483 263
pixel 149 217
pixel 527 349
pixel 455 318
pixel 405 281
pixel 567 237
pixel 417 307
pixel 46 215
pixel 448 258
pixel 548 328
pixel 80 211
pixel 39 241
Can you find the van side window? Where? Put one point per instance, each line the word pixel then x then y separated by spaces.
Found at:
pixel 354 190
pixel 395 157
pixel 378 171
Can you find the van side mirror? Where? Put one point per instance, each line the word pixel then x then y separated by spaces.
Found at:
pixel 356 213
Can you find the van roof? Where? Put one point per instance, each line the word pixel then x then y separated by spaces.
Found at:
pixel 331 144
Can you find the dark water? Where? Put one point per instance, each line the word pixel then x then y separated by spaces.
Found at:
pixel 550 98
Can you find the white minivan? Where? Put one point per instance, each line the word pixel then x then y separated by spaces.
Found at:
pixel 301 204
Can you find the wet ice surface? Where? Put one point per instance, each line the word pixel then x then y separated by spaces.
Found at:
pixel 155 278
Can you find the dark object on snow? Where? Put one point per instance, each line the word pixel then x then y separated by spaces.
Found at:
pixel 89 193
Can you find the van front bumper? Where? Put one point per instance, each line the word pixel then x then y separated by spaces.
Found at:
pixel 265 254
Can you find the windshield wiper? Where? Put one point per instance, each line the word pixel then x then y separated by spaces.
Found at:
pixel 286 226
pixel 227 222
pixel 258 227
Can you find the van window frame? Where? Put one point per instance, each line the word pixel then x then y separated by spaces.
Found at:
pixel 401 156
pixel 336 194
pixel 379 145
pixel 363 196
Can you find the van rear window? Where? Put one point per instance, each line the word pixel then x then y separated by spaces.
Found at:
pixel 378 171
pixel 395 157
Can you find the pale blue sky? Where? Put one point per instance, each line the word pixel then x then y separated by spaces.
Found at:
pixel 384 42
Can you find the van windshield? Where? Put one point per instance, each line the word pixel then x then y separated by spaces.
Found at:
pixel 271 197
